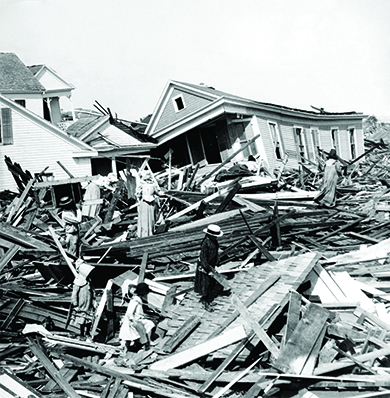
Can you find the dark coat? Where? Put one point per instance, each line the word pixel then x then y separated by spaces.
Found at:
pixel 205 284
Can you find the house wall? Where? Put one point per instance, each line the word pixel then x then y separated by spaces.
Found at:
pixel 287 125
pixel 169 115
pixel 35 148
pixel 35 105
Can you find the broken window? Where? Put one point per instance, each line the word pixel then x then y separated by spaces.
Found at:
pixel 315 137
pixel 352 142
pixel 179 103
pixel 277 142
pixel 334 133
pixel 6 133
pixel 300 140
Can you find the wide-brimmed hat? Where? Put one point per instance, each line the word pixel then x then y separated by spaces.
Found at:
pixel 332 154
pixel 83 268
pixel 142 289
pixel 65 200
pixel 213 230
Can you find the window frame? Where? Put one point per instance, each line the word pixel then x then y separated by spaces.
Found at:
pixel 278 139
pixel 352 146
pixel 301 139
pixel 335 140
pixel 9 138
pixel 175 104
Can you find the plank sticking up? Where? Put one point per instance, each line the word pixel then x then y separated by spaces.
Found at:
pixel 293 356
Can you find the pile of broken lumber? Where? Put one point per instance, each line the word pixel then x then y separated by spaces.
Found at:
pixel 307 315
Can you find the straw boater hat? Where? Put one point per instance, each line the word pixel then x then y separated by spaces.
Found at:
pixel 64 201
pixel 83 270
pixel 213 230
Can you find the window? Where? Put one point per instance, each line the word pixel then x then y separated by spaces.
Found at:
pixel 334 135
pixel 315 138
pixel 21 102
pixel 352 142
pixel 301 144
pixel 178 103
pixel 277 143
pixel 6 135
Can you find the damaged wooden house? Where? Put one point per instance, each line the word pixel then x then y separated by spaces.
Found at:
pixel 204 125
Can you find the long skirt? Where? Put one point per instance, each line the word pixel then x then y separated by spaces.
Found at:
pixel 146 219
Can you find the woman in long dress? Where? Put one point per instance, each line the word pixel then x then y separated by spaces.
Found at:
pixel 147 194
pixel 327 196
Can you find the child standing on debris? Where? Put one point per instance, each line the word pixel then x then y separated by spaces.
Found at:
pixel 147 194
pixel 327 196
pixel 71 216
pixel 205 283
pixel 135 327
pixel 82 298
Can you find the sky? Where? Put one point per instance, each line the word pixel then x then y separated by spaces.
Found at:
pixel 331 54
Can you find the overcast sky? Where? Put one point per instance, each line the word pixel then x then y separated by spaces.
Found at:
pixel 333 54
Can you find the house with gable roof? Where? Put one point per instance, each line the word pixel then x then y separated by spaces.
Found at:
pixel 38 88
pixel 206 126
pixel 32 134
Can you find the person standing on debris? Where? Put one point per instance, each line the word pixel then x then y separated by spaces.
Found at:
pixel 82 305
pixel 327 196
pixel 136 329
pixel 72 217
pixel 147 194
pixel 205 282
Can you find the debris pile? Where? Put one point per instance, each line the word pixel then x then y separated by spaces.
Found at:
pixel 306 314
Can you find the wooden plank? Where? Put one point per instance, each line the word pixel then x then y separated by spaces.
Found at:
pixel 100 308
pixel 62 251
pixel 181 334
pixel 331 367
pixel 353 359
pixel 375 320
pixel 312 359
pixel 229 337
pixel 142 269
pixel 294 355
pixel 9 255
pixel 261 248
pixel 267 284
pixel 234 189
pixel 51 369
pixel 293 315
pixel 215 375
pixel 242 374
pixel 253 325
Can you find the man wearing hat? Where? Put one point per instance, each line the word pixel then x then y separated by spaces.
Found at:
pixel 82 298
pixel 205 283
pixel 327 196
pixel 71 216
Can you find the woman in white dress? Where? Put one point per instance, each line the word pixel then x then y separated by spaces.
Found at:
pixel 135 327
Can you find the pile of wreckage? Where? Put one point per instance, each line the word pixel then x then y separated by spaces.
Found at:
pixel 307 317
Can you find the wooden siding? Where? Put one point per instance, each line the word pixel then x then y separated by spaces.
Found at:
pixel 169 115
pixel 35 148
pixel 266 138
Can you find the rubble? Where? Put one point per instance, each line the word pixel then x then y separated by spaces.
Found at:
pixel 308 311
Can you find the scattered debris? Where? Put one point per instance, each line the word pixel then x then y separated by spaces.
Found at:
pixel 307 314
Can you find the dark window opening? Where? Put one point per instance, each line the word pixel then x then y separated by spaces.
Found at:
pixel 179 103
pixel 21 102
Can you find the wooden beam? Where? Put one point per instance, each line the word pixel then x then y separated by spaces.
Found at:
pixel 228 337
pixel 51 369
pixel 253 325
pixel 181 334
